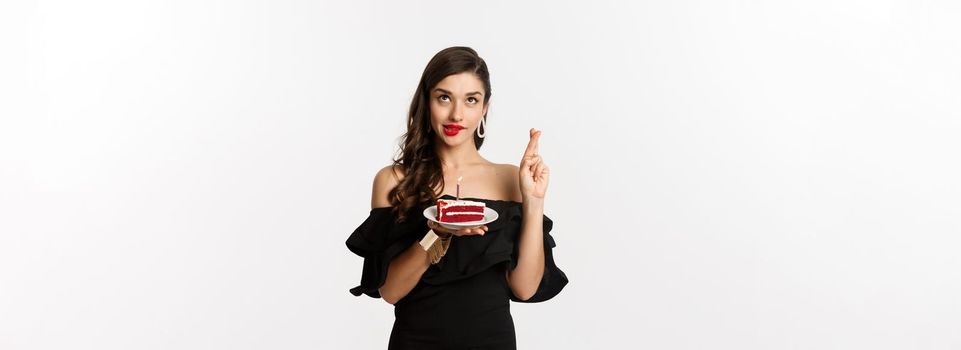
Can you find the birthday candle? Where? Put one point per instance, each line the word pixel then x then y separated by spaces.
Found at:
pixel 458 186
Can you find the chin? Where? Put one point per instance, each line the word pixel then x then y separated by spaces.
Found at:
pixel 454 142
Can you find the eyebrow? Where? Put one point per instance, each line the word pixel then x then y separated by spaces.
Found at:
pixel 449 93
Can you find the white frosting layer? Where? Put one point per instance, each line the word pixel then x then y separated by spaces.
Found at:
pixel 464 213
pixel 456 203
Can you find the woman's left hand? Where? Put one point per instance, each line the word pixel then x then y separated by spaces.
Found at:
pixel 534 173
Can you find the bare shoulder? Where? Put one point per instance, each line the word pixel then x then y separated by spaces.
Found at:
pixel 507 170
pixel 385 180
pixel 507 173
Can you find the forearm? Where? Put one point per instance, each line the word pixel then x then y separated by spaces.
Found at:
pixel 526 276
pixel 404 273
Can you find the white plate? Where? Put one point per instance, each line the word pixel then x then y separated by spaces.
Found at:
pixel 489 216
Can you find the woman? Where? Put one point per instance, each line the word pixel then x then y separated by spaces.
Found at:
pixel 455 293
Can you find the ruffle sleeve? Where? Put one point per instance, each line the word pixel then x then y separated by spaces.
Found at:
pixel 554 279
pixel 379 240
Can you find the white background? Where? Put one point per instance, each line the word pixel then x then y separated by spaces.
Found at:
pixel 726 174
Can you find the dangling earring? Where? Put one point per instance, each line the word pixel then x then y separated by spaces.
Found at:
pixel 482 125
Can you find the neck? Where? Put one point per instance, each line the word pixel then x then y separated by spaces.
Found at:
pixel 457 156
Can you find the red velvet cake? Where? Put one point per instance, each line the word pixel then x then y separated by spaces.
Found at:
pixel 459 210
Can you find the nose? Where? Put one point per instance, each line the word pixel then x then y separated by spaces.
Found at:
pixel 457 112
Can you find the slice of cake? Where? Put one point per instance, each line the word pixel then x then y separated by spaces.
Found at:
pixel 459 210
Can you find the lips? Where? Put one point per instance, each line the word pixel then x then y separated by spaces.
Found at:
pixel 452 129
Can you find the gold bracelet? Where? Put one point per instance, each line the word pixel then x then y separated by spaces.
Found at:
pixel 441 248
pixel 435 250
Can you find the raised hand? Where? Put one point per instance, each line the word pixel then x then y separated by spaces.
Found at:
pixel 534 173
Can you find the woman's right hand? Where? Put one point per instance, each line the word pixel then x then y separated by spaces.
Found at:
pixel 446 232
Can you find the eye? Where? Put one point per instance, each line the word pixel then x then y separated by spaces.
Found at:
pixel 444 98
pixel 472 99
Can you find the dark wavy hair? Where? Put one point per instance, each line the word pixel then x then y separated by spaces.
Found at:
pixel 423 179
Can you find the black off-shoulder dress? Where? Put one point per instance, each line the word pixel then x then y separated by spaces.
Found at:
pixel 462 302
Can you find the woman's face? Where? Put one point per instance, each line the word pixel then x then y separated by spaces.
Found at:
pixel 456 108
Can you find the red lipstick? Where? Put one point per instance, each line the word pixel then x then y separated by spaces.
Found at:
pixel 452 129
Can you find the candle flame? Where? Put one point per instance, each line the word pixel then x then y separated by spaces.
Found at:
pixel 459 178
